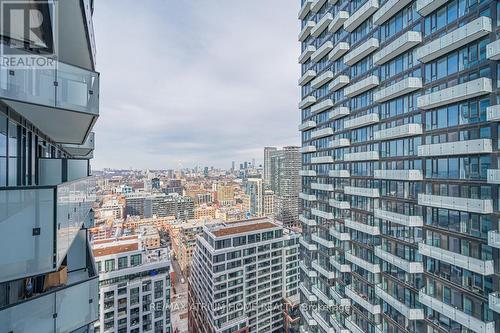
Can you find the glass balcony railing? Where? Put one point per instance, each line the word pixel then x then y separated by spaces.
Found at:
pixel 45 220
pixel 65 308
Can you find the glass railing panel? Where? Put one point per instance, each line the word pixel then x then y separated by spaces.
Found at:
pixel 27 218
pixel 74 202
pixel 77 306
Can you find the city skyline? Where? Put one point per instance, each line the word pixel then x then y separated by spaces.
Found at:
pixel 212 105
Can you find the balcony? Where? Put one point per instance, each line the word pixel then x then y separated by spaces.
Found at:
pixel 321 133
pixel 322 51
pixel 307 149
pixel 361 51
pixel 493 50
pixel 45 220
pixel 322 159
pixel 361 86
pixel 307 125
pixel 339 204
pixel 425 7
pixel 403 219
pixel 362 191
pixel 61 309
pixel 363 301
pixel 341 300
pixel 337 326
pixel 460 92
pixel 468 147
pixel 322 241
pixel 322 25
pixel 307 102
pixel 373 268
pixel 454 314
pixel 322 79
pixel 362 156
pixel 308 271
pixel 494 238
pixel 309 295
pixel 399 46
pixel 307 77
pixel 493 176
pixel 361 15
pixel 308 246
pixel 307 197
pixel 322 322
pixel 397 89
pixel 339 173
pixel 407 266
pixel 388 10
pixel 366 120
pixel 415 175
pixel 480 206
pixel 84 151
pixel 64 95
pixel 398 132
pixel 343 268
pixel 326 273
pixel 493 113
pixel 307 173
pixel 305 9
pixel 320 213
pixel 455 39
pixel 483 267
pixel 306 54
pixel 339 50
pixel 405 310
pixel 307 317
pixel 306 30
pixel 494 301
pixel 305 220
pixel 322 106
pixel 317 4
pixel 338 21
pixel 323 297
pixel 352 327
pixel 338 113
pixel 362 227
pixel 339 82
pixel 322 187
pixel 341 236
pixel 339 143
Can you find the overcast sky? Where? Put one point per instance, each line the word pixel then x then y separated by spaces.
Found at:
pixel 195 82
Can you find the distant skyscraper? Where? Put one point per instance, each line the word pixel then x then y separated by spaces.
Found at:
pixel 233 166
pixel 400 154
pixel 254 189
pixel 268 151
pixel 285 182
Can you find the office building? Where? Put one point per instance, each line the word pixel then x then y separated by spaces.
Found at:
pixel 48 108
pixel 134 286
pixel 182 207
pixel 254 191
pixel 285 182
pixel 400 166
pixel 268 151
pixel 244 269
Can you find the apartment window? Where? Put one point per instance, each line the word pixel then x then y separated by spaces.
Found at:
pixel 13 153
pixel 135 260
pixel 109 265
pixel 122 262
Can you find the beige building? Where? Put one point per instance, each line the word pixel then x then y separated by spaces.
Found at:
pixel 225 194
pixel 269 203
pixel 149 236
pixel 204 212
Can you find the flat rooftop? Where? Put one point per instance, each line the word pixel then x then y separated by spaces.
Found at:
pixel 240 227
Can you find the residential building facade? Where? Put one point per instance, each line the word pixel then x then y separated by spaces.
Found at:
pixel 240 274
pixel 134 286
pixel 268 151
pixel 400 165
pixel 48 280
